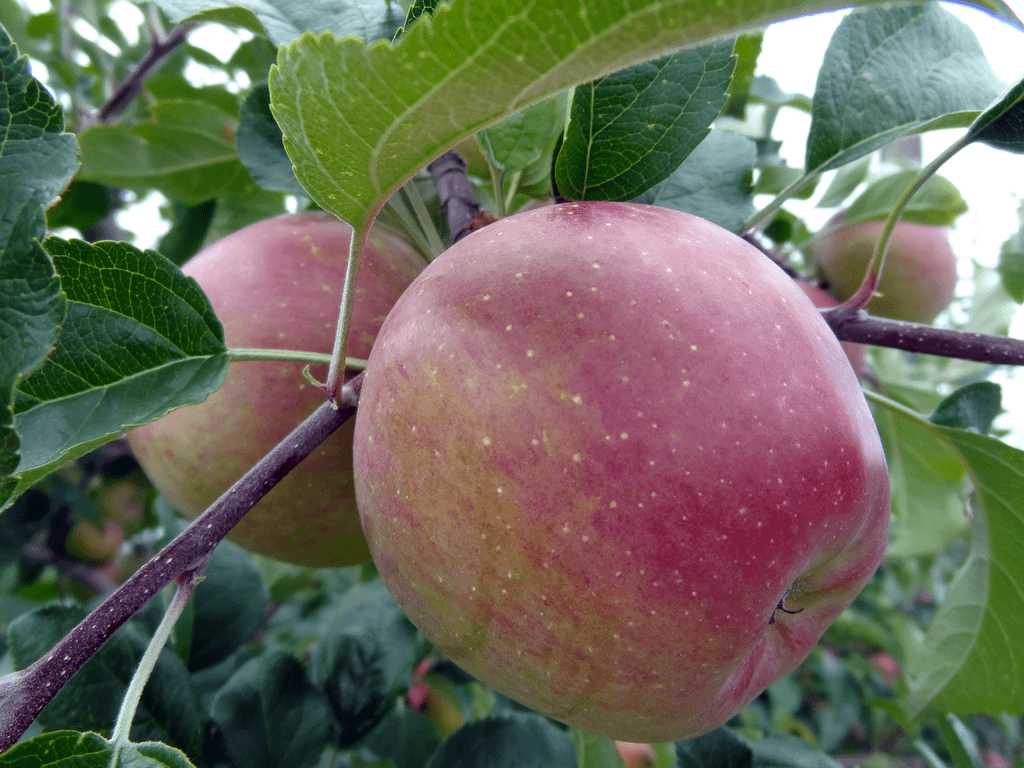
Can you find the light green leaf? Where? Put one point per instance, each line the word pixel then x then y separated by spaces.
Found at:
pixel 518 141
pixel 971 660
pixel 461 70
pixel 139 339
pixel 937 203
pixel 284 20
pixel 1011 260
pixel 892 71
pixel 630 130
pixel 186 150
pixel 846 180
pixel 714 182
pixel 593 751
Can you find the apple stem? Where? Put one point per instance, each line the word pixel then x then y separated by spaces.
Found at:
pixel 23 694
pixel 187 582
pixel 458 200
pixel 336 370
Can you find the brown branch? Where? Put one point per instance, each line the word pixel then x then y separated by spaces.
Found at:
pixel 458 200
pixel 927 339
pixel 132 84
pixel 24 694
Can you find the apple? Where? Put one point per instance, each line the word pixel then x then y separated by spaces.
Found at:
pixel 94 544
pixel 855 353
pixel 919 277
pixel 610 460
pixel 277 284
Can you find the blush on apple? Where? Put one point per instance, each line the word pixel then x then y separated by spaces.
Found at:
pixel 277 284
pixel 610 459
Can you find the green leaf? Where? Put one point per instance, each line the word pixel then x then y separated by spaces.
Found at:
pixel 139 339
pixel 937 203
pixel 170 710
pixel 37 158
pixel 968 660
pixel 593 751
pixel 284 20
pixel 1011 261
pixel 720 748
pixel 926 487
pixel 630 130
pixel 261 145
pixel 508 741
pixel 186 150
pixel 748 49
pixel 846 180
pixel 973 407
pixel 1002 124
pixel 892 71
pixel 518 141
pixel 71 749
pixel 364 657
pixel 82 205
pixel 271 715
pixel 353 146
pixel 228 606
pixel 714 182
pixel 404 737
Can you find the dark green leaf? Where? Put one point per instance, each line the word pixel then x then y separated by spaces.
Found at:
pixel 228 605
pixel 973 407
pixel 719 749
pixel 284 20
pixel 82 205
pixel 781 750
pixel 1002 124
pixel 71 749
pixel 632 129
pixel 405 737
pixel 186 150
pixel 271 715
pixel 261 144
pixel 894 70
pixel 937 202
pixel 520 140
pixel 365 656
pixel 139 339
pixel 189 227
pixel 509 741
pixel 714 182
pixel 169 710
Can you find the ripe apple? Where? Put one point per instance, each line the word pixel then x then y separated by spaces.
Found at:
pixel 277 284
pixel 919 277
pixel 610 459
pixel 855 353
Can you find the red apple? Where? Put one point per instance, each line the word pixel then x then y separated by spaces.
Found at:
pixel 636 755
pixel 919 277
pixel 610 459
pixel 277 284
pixel 855 353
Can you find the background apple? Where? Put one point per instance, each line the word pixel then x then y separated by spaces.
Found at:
pixel 919 277
pixel 636 755
pixel 94 544
pixel 598 446
pixel 822 300
pixel 277 284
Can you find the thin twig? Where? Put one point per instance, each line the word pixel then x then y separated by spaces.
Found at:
pixel 24 694
pixel 132 84
pixel 458 201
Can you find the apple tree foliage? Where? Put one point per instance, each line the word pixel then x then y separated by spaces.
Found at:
pixel 342 106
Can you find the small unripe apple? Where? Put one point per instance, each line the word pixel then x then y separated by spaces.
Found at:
pixel 636 755
pixel 919 277
pixel 277 284
pixel 610 459
pixel 854 352
pixel 94 544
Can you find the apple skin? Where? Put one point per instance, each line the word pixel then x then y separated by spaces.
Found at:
pixel 855 353
pixel 277 284
pixel 597 445
pixel 94 544
pixel 919 278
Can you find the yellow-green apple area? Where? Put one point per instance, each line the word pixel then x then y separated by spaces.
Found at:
pixel 276 284
pixel 610 459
